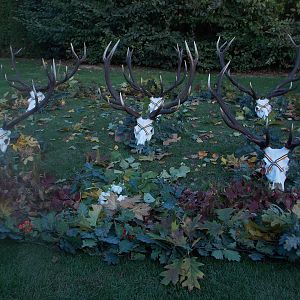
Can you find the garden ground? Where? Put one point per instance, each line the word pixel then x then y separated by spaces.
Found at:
pixel 32 271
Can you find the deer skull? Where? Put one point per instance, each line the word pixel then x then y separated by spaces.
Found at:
pixel 32 101
pixel 4 139
pixel 276 165
pixel 155 103
pixel 263 108
pixel 143 131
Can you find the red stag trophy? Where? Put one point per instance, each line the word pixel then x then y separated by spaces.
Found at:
pixel 37 98
pixel 144 130
pixel 263 107
pixel 275 160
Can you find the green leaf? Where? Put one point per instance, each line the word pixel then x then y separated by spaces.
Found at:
pixel 125 246
pixel 94 214
pixel 148 198
pixel 218 254
pixel 179 173
pixel 224 214
pixel 89 243
pixel 231 255
pixel 191 273
pixel 172 273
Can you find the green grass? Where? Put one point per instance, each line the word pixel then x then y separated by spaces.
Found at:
pixel 28 271
pixel 37 272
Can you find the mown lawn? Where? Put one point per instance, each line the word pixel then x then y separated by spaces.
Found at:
pixel 38 272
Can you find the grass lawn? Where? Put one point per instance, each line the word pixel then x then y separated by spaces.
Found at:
pixel 37 272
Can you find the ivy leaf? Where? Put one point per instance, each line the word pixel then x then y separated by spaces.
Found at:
pixel 191 273
pixel 172 273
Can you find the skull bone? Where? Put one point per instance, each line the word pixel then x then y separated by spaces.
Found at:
pixel 31 100
pixel 263 108
pixel 276 175
pixel 143 131
pixel 4 139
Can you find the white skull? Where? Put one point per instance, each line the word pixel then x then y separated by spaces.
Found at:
pixel 155 103
pixel 143 131
pixel 263 108
pixel 4 139
pixel 31 100
pixel 276 165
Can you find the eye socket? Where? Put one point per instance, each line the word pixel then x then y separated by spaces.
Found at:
pixel 6 141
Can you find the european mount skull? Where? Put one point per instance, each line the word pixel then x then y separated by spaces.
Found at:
pixel 37 100
pixel 144 129
pixel 262 105
pixel 275 160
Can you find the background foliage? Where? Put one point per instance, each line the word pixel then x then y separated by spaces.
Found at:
pixel 154 27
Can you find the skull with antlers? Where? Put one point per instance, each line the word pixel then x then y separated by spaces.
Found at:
pixel 144 130
pixel 262 105
pixel 37 100
pixel 275 160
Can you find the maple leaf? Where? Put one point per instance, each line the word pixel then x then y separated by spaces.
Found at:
pixel 141 210
pixel 172 273
pixel 191 273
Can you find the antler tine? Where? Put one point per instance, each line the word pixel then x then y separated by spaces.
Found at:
pixel 117 102
pixel 21 85
pixel 178 79
pixel 292 143
pixel 279 90
pixel 184 93
pixel 228 117
pixel 130 77
pixel 71 73
pixel 220 52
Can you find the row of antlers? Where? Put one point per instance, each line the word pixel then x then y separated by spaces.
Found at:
pixel 158 104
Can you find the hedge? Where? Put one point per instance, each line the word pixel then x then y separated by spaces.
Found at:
pixel 153 27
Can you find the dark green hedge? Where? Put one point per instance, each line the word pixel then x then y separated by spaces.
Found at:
pixel 153 27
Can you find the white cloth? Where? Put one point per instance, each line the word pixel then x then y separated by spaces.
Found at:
pixel 155 103
pixel 263 108
pixel 143 131
pixel 4 139
pixel 31 100
pixel 276 165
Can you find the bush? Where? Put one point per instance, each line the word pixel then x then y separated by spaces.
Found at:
pixel 153 27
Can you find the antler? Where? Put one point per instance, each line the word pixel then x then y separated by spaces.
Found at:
pixel 228 117
pixel 19 84
pixel 38 105
pixel 183 95
pixel 221 51
pixel 117 102
pixel 168 108
pixel 130 78
pixel 280 90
